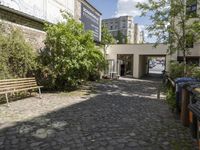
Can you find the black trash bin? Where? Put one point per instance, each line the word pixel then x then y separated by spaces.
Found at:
pixel 195 109
pixel 186 92
pixel 180 82
pixel 194 96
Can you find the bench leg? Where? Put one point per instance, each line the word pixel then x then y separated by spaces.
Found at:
pixel 7 99
pixel 39 93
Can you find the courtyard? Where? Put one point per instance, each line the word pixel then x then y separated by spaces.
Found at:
pixel 122 114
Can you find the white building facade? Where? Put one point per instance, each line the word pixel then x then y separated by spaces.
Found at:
pixel 48 10
pixel 123 25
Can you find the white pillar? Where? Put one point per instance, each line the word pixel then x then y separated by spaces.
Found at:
pixel 136 63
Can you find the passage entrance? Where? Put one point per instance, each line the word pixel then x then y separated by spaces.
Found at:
pixel 125 64
pixel 156 65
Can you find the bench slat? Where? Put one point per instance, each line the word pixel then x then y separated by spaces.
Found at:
pixel 19 79
pixel 14 82
pixel 19 90
pixel 17 87
pixel 17 84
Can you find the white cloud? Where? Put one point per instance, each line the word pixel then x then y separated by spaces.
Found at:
pixel 128 7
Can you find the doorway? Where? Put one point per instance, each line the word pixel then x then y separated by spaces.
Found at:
pixel 125 65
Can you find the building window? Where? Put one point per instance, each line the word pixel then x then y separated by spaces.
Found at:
pixel 191 10
pixel 111 27
pixel 190 41
pixel 130 25
pixel 129 33
pixel 124 25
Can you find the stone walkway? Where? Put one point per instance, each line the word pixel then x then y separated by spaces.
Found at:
pixel 117 115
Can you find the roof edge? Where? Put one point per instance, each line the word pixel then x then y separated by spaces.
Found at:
pixel 93 7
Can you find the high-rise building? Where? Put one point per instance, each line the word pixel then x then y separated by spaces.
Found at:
pixel 123 29
pixel 89 16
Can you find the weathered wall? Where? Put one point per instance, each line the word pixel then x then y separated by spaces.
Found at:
pixel 32 30
pixel 12 17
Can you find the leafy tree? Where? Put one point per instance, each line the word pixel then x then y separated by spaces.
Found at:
pixel 106 37
pixel 70 55
pixel 172 24
pixel 121 38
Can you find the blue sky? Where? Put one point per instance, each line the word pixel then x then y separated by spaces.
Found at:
pixel 115 8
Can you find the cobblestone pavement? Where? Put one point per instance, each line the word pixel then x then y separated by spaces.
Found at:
pixel 117 115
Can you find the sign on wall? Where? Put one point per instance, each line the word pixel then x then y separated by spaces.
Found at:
pixel 48 10
pixel 91 21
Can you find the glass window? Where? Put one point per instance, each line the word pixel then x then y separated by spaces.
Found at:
pixel 190 41
pixel 191 10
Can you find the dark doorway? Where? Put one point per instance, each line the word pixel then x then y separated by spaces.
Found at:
pixel 125 64
pixel 122 73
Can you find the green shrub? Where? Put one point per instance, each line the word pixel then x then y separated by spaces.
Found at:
pixel 17 57
pixel 176 70
pixel 21 56
pixel 196 72
pixel 70 56
pixel 171 98
pixel 4 70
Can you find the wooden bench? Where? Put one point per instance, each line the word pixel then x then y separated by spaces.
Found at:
pixel 17 85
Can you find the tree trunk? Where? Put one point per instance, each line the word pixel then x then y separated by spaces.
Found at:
pixel 184 39
pixel 185 63
pixel 105 51
pixel 105 70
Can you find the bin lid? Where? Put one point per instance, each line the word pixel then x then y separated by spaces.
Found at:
pixel 184 79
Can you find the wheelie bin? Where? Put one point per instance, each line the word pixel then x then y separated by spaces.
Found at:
pixel 185 100
pixel 180 82
pixel 195 109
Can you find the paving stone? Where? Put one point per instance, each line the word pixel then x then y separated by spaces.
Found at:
pixel 132 144
pixel 101 148
pixel 110 148
pixel 132 134
pixel 41 133
pixel 67 148
pixel 120 115
pixel 35 144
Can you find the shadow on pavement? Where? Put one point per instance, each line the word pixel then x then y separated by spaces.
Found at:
pixel 113 119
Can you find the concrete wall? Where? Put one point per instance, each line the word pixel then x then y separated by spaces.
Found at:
pixel 194 52
pixel 143 65
pixel 140 52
